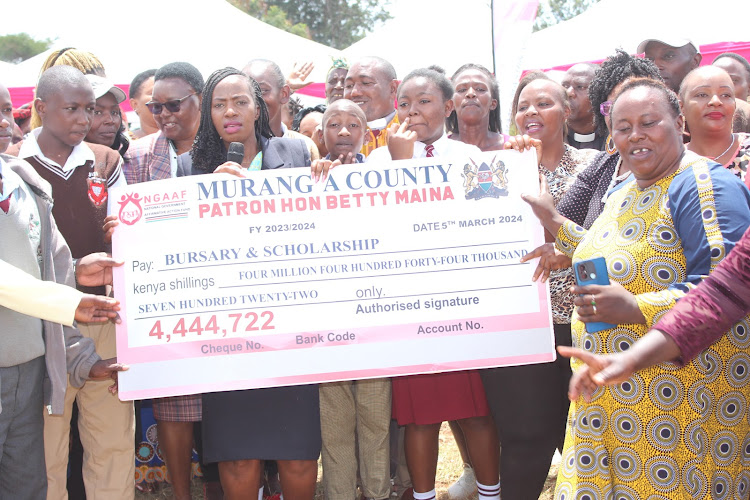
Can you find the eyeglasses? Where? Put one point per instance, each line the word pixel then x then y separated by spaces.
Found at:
pixel 605 108
pixel 172 106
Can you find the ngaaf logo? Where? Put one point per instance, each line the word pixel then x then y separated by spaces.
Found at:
pixel 130 209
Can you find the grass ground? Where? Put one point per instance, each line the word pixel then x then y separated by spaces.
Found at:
pixel 449 469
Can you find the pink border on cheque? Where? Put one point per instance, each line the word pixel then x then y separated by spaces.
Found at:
pixel 335 376
pixel 287 341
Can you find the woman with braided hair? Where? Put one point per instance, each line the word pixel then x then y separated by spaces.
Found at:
pixel 243 428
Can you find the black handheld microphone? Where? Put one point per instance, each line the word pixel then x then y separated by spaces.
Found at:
pixel 236 152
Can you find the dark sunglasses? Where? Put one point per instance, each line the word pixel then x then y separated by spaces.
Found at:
pixel 172 106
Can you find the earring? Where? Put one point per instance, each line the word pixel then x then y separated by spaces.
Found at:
pixel 611 148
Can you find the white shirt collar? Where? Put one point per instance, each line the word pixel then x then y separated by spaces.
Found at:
pixel 381 123
pixel 584 137
pixel 284 131
pixel 79 156
pixel 440 147
pixel 172 159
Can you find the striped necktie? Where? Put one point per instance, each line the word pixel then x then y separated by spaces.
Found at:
pixel 429 150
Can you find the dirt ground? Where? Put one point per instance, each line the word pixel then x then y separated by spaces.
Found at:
pixel 448 470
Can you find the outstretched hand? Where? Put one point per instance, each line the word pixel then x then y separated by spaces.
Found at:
pixel 97 309
pixel 550 259
pixel 107 368
pixel 401 140
pixel 598 370
pixel 95 269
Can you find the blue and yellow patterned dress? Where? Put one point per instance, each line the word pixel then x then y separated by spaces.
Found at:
pixel 666 433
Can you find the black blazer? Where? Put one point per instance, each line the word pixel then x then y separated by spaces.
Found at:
pixel 277 153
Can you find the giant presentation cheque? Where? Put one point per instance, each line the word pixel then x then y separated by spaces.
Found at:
pixel 380 270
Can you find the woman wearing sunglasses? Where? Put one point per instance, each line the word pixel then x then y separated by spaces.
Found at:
pixel 176 107
pixel 175 104
pixel 241 429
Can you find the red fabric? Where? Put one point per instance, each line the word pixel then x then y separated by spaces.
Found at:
pixel 5 204
pixel 314 90
pixel 438 397
pixel 430 150
pixel 21 114
pixel 22 95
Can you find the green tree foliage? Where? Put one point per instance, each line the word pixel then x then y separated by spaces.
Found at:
pixel 336 23
pixel 271 14
pixel 556 11
pixel 20 46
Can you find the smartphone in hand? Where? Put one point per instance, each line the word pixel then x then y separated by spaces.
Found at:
pixel 593 272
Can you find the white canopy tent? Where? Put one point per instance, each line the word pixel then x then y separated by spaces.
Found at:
pixel 422 32
pixel 453 33
pixel 6 69
pixel 209 34
pixel 612 24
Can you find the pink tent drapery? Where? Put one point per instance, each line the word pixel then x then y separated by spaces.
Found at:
pixel 709 51
pixel 22 95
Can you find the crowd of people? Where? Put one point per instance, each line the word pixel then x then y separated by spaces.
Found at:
pixel 642 160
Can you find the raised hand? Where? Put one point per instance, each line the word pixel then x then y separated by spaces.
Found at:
pixel 297 78
pixel 401 140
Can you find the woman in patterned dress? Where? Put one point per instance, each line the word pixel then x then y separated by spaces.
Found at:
pixel 529 403
pixel 707 99
pixel 663 433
